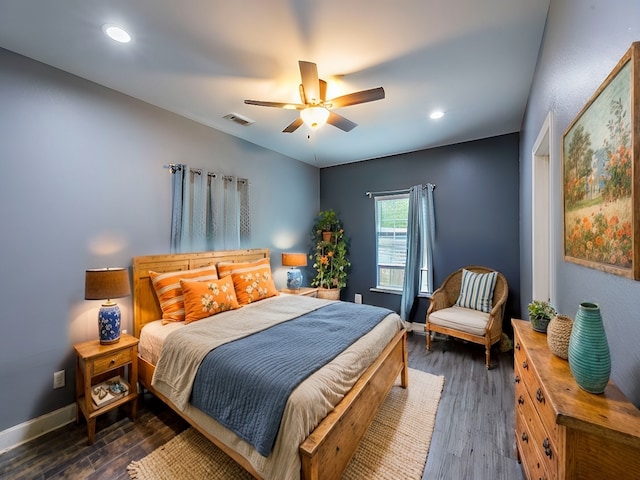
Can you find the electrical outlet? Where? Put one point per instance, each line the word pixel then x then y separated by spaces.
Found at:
pixel 358 298
pixel 58 379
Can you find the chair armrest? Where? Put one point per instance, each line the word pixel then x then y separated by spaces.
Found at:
pixel 438 301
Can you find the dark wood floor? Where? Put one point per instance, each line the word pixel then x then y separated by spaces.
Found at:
pixel 473 437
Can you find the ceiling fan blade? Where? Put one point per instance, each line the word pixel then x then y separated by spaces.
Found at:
pixel 309 75
pixel 303 97
pixel 288 106
pixel 362 96
pixel 341 122
pixel 323 89
pixel 293 126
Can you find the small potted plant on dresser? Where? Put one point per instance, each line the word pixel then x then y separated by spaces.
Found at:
pixel 540 314
pixel 330 255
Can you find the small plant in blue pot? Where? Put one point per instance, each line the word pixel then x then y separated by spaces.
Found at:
pixel 540 314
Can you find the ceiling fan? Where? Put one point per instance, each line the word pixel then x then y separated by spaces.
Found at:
pixel 315 109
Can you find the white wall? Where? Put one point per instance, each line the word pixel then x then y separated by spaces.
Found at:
pixel 82 185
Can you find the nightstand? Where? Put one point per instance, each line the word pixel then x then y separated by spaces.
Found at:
pixel 304 291
pixel 96 363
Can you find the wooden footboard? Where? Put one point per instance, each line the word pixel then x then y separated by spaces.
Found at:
pixel 327 451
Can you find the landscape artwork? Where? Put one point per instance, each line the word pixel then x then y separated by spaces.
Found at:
pixel 599 163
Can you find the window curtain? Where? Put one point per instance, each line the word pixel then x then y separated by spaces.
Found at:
pixel 420 237
pixel 210 211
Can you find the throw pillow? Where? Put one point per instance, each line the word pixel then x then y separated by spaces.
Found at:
pixel 252 280
pixel 204 299
pixel 169 292
pixel 476 290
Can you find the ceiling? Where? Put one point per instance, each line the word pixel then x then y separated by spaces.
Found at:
pixel 472 59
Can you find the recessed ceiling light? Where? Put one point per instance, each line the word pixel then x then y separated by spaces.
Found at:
pixel 436 115
pixel 116 33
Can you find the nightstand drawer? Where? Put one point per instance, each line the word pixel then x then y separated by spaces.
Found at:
pixel 115 360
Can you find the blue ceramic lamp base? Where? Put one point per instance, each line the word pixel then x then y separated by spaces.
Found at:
pixel 109 323
pixel 294 278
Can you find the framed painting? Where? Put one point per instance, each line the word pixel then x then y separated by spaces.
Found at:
pixel 600 161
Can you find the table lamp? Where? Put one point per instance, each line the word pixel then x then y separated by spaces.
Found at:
pixel 106 284
pixel 294 275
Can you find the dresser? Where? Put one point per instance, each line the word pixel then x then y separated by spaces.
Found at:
pixel 563 432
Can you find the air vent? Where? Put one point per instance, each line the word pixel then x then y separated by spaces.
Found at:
pixel 239 119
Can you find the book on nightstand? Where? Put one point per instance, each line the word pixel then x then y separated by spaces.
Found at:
pixel 109 391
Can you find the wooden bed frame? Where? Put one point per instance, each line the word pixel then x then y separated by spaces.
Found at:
pixel 328 449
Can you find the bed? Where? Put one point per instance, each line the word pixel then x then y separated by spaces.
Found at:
pixel 323 451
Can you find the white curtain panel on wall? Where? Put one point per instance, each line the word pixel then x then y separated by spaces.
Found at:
pixel 210 211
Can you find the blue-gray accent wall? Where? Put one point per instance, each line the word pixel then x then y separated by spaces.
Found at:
pixel 82 185
pixel 582 43
pixel 476 210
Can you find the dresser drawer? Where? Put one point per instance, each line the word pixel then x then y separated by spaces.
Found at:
pixel 109 362
pixel 538 437
pixel 526 375
pixel 533 464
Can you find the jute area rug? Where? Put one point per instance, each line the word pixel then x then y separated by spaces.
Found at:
pixel 394 447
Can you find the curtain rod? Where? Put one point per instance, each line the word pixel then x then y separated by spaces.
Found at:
pixel 176 167
pixel 402 190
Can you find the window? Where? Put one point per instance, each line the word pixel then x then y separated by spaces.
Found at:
pixel 391 240
pixel 391 243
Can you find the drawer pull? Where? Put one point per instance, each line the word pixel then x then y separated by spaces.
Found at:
pixel 525 437
pixel 525 365
pixel 113 360
pixel 521 400
pixel 539 395
pixel 547 447
pixel 517 378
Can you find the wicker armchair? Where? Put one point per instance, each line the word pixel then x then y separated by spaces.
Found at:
pixel 471 325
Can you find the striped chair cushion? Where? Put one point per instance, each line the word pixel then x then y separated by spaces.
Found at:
pixel 476 291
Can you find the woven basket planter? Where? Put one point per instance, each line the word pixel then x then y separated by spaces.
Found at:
pixel 558 334
pixel 329 293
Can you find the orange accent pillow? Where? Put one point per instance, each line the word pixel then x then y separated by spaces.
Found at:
pixel 252 280
pixel 169 292
pixel 204 299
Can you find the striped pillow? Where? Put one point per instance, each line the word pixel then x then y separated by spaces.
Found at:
pixel 169 292
pixel 476 291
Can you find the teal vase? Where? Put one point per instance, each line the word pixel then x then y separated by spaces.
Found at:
pixel 589 356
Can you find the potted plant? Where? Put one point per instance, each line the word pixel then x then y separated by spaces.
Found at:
pixel 327 222
pixel 540 314
pixel 330 255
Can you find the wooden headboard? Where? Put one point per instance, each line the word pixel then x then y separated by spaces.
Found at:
pixel 145 303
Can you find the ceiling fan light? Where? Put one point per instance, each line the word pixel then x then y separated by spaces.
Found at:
pixel 314 117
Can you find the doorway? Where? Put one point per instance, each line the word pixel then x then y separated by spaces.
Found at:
pixel 542 225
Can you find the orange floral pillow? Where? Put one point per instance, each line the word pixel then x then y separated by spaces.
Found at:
pixel 169 292
pixel 252 280
pixel 204 299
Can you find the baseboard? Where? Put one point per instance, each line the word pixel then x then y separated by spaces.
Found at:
pixel 22 433
pixel 417 328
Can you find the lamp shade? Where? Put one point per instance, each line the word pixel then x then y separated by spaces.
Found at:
pixel 294 259
pixel 106 283
pixel 314 116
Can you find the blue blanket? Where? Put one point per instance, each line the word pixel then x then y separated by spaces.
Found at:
pixel 245 384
